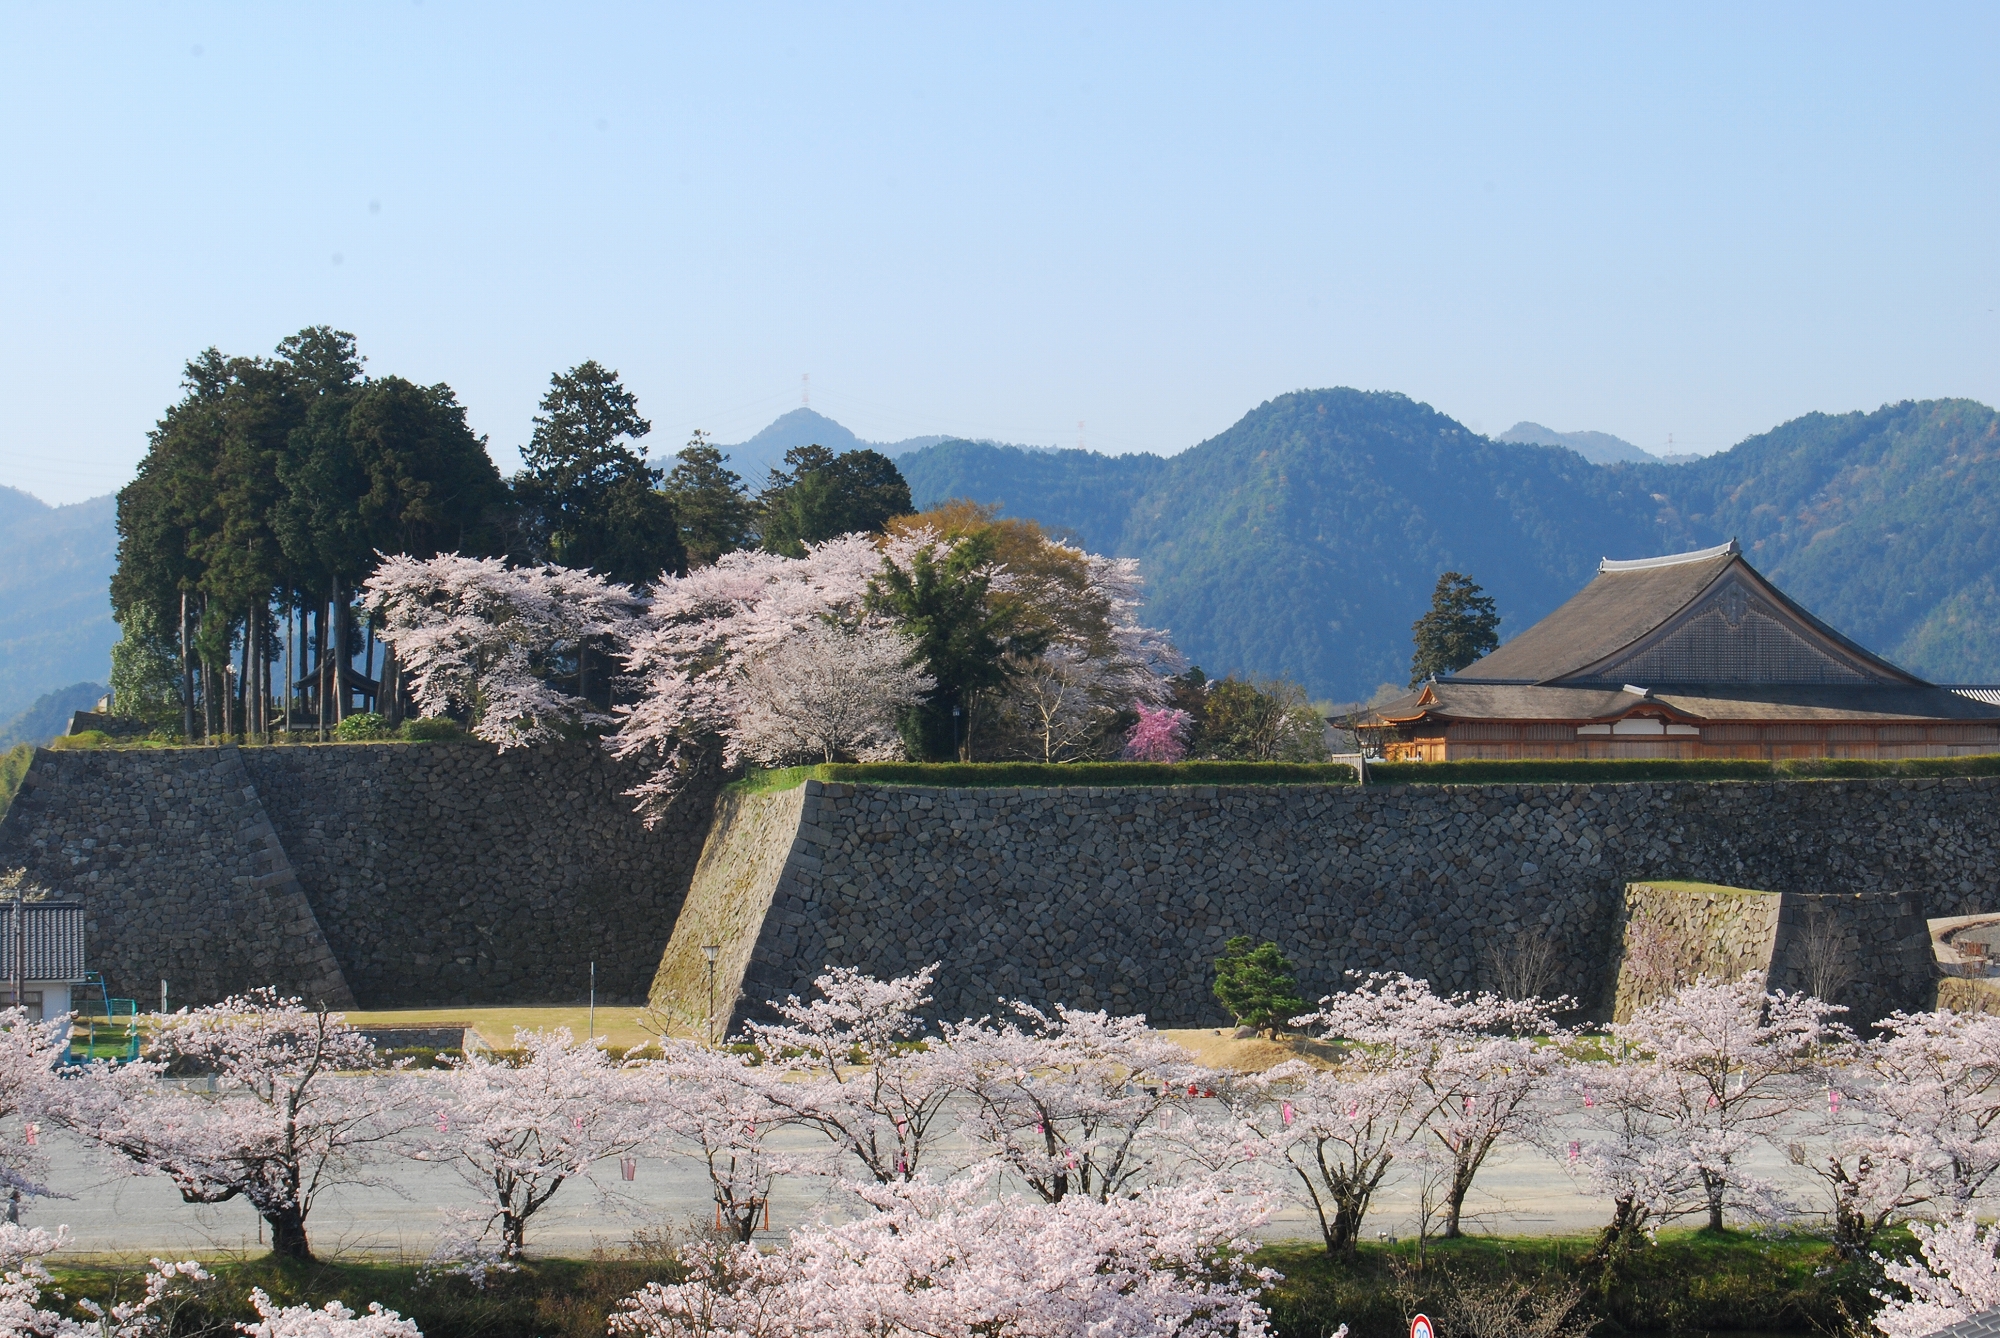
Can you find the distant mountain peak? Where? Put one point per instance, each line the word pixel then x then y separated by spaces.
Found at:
pixel 1600 448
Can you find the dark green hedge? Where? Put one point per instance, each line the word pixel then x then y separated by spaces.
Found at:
pixel 986 775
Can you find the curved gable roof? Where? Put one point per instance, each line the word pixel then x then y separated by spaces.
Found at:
pixel 1701 617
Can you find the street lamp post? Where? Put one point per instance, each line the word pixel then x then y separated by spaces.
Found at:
pixel 711 951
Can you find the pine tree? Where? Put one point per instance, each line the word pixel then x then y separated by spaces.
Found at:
pixel 819 495
pixel 715 512
pixel 1257 984
pixel 1460 627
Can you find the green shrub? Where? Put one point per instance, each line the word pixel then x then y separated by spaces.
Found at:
pixel 362 728
pixel 988 775
pixel 13 770
pixel 432 729
pixel 89 738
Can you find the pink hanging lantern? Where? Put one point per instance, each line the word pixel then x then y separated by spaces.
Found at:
pixel 1833 1099
pixel 1575 1149
pixel 1288 1114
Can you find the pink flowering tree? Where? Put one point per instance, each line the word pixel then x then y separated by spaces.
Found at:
pixel 1159 736
pixel 518 1133
pixel 1934 1079
pixel 278 1129
pixel 1956 1278
pixel 332 1320
pixel 690 661
pixel 1694 1082
pixel 829 693
pixel 1333 1134
pixel 1071 1102
pixel 1484 1064
pixel 713 1107
pixel 478 636
pixel 956 1261
pixel 24 1277
pixel 30 1053
pixel 853 1065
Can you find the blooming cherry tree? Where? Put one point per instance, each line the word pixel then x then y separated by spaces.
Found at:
pixel 1159 736
pixel 24 1277
pixel 30 1053
pixel 829 692
pixel 277 1130
pixel 955 1261
pixel 517 1134
pixel 1335 1133
pixel 714 1108
pixel 1934 1079
pixel 332 1320
pixel 1958 1277
pixel 1483 1062
pixel 852 1065
pixel 479 636
pixel 1071 1102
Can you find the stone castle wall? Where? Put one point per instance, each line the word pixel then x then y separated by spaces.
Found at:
pixel 1121 898
pixel 439 873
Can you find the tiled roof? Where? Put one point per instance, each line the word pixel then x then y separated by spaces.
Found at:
pixel 1719 703
pixel 1983 1325
pixel 55 940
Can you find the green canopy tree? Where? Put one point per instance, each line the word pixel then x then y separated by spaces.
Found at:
pixel 715 512
pixel 1461 626
pixel 592 500
pixel 819 495
pixel 1257 984
pixel 963 637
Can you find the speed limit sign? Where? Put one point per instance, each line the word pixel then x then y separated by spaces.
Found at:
pixel 1420 1327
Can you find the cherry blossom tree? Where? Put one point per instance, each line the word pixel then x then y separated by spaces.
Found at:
pixel 1071 1102
pixel 332 1320
pixel 853 1066
pixel 24 1277
pixel 1335 1133
pixel 277 1130
pixel 1159 736
pixel 702 633
pixel 713 1108
pixel 1957 1277
pixel 1483 1062
pixel 478 636
pixel 30 1053
pixel 1934 1078
pixel 829 692
pixel 1697 1079
pixel 518 1133
pixel 954 1261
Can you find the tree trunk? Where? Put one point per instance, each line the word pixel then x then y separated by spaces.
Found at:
pixel 187 678
pixel 319 667
pixel 291 644
pixel 288 1234
pixel 392 687
pixel 340 662
pixel 1461 1185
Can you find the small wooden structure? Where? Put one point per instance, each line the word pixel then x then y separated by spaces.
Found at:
pixel 51 965
pixel 1691 655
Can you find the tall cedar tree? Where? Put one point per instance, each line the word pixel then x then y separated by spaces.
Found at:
pixel 1460 627
pixel 594 501
pixel 819 495
pixel 962 637
pixel 714 510
pixel 1257 984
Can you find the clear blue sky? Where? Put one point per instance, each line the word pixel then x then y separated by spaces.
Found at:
pixel 1001 221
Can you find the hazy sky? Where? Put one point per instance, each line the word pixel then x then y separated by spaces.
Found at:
pixel 1001 221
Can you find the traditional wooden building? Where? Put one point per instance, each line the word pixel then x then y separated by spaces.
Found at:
pixel 1690 655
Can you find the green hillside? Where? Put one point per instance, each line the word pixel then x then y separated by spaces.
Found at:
pixel 1305 540
pixel 55 609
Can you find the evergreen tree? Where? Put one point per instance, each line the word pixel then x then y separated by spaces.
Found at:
pixel 714 510
pixel 819 495
pixel 1257 984
pixel 962 637
pixel 1460 627
pixel 593 498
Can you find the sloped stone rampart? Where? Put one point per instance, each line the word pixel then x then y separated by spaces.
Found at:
pixel 432 874
pixel 182 876
pixel 1121 898
pixel 1868 950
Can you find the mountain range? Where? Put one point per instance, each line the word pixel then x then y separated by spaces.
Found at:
pixel 55 606
pixel 1600 448
pixel 1305 539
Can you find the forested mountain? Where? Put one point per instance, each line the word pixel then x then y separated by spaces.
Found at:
pixel 50 714
pixel 1600 448
pixel 1305 539
pixel 55 618
pixel 754 459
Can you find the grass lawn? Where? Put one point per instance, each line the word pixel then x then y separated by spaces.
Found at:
pixel 620 1026
pixel 1690 1283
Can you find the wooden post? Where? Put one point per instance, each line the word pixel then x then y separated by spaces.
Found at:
pixel 187 678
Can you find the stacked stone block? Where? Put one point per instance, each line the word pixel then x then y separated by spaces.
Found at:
pixel 1122 898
